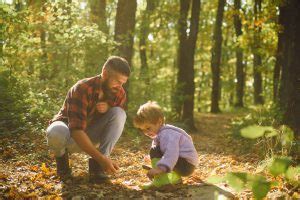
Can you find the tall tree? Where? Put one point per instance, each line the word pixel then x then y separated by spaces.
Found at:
pixel 257 60
pixel 144 32
pixel 36 7
pixel 124 28
pixel 97 53
pixel 240 74
pixel 216 57
pixel 289 93
pixel 186 52
pixel 279 55
pixel 98 14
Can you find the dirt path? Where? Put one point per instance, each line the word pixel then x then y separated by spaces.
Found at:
pixel 28 171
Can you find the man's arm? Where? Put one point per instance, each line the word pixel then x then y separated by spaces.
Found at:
pixel 87 146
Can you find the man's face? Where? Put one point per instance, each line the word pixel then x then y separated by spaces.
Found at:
pixel 113 81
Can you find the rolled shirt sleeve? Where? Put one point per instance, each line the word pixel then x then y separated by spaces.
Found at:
pixel 77 103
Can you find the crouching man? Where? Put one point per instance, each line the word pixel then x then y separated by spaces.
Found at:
pixel 91 120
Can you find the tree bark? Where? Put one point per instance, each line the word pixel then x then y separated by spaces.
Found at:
pixel 279 56
pixel 257 60
pixel 124 31
pixel 185 91
pixel 216 58
pixel 99 53
pixel 289 93
pixel 98 14
pixel 240 74
pixel 144 32
pixel 188 105
pixel 124 28
pixel 181 60
pixel 35 7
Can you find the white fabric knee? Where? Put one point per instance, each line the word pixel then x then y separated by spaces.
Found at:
pixel 58 135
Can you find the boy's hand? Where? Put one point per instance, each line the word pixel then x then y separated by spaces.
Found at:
pixel 147 159
pixel 153 172
pixel 102 107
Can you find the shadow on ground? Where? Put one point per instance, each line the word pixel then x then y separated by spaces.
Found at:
pixel 82 190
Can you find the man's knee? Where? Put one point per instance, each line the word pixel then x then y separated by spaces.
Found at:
pixel 118 114
pixel 57 135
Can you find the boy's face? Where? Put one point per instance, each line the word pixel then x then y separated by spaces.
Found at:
pixel 151 130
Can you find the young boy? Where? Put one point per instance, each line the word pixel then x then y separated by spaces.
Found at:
pixel 172 153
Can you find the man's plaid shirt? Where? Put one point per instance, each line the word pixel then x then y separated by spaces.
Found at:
pixel 79 108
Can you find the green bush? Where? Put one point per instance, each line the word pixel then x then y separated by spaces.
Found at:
pixel 12 109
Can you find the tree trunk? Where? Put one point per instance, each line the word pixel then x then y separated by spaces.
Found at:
pixel 144 32
pixel 68 56
pixel 240 74
pixel 277 68
pixel 98 14
pixel 216 57
pixel 124 28
pixel 189 90
pixel 289 93
pixel 35 7
pixel 124 31
pixel 99 53
pixel 257 60
pixel 185 78
pixel 182 57
pixel 279 56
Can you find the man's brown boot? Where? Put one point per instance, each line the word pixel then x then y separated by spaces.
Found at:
pixel 63 169
pixel 96 173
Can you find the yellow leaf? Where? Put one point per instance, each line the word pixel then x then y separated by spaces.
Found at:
pixel 45 169
pixel 2 176
pixel 34 168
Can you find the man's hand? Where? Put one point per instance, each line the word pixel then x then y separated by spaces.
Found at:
pixel 102 107
pixel 87 146
pixel 153 172
pixel 109 166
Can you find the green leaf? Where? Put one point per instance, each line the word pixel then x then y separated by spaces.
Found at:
pixel 260 188
pixel 253 132
pixel 279 166
pixel 215 179
pixel 237 180
pixel 287 135
pixel 293 175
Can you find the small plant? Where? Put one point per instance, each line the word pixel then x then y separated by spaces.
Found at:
pixel 267 115
pixel 281 165
pixel 258 184
pixel 274 141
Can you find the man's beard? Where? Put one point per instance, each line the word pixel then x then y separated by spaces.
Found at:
pixel 108 92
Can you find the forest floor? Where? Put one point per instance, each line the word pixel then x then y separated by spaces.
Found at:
pixel 27 169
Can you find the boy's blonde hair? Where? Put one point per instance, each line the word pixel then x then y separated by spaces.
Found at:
pixel 149 112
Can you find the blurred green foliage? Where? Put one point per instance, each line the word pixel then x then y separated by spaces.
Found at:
pixel 48 48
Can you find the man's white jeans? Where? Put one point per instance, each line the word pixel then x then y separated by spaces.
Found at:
pixel 104 133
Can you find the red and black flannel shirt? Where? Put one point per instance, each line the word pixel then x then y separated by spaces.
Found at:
pixel 79 108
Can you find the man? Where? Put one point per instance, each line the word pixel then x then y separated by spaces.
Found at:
pixel 91 119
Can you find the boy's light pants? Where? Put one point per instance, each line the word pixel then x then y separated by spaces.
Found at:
pixel 104 133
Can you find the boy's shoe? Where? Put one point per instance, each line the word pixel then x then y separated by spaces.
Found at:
pixel 174 178
pixel 96 173
pixel 162 179
pixel 63 169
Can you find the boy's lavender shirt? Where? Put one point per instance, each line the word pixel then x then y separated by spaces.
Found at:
pixel 174 142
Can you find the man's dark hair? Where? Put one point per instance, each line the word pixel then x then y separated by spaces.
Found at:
pixel 117 64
